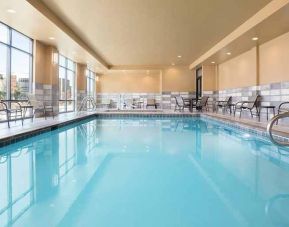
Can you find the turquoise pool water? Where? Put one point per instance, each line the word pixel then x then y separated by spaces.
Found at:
pixel 144 173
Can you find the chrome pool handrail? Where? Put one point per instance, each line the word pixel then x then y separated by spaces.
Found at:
pixel 85 100
pixel 270 126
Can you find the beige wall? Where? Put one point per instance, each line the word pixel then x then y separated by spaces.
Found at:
pixel 129 82
pixel 274 60
pixel 81 77
pixel 272 63
pixel 40 62
pixel 210 80
pixel 46 70
pixel 240 71
pixel 178 78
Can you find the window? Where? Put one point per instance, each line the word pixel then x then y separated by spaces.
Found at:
pixel 90 86
pixel 15 63
pixel 90 83
pixel 66 84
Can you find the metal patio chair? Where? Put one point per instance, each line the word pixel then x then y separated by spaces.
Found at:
pixel 39 106
pixel 253 102
pixel 9 112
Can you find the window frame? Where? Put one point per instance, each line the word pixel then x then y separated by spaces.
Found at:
pixel 10 48
pixel 66 69
pixel 90 76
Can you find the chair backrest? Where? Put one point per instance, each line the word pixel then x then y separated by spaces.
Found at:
pixel 3 106
pixel 135 101
pixel 228 100
pixel 179 101
pixel 129 102
pixel 34 102
pixel 253 101
pixel 151 101
pixel 203 102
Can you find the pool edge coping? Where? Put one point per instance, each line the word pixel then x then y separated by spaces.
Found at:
pixel 22 135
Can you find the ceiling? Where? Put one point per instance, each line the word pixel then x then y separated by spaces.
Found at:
pixel 138 72
pixel 152 32
pixel 263 31
pixel 34 24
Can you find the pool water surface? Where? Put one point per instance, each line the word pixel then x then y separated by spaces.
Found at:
pixel 144 172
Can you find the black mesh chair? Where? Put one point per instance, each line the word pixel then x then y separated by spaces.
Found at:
pixel 224 104
pixel 252 103
pixel 201 104
pixel 181 104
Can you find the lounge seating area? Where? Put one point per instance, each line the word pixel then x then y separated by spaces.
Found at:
pixel 14 111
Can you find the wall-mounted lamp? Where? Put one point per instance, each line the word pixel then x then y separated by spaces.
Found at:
pixel 97 78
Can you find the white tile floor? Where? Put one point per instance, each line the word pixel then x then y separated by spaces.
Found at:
pixel 38 123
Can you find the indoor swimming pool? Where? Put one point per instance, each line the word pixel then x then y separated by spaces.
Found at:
pixel 144 172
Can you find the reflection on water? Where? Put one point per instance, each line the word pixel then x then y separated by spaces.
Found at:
pixel 37 173
pixel 31 171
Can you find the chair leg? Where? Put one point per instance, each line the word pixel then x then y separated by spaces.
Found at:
pixel 8 118
pixel 32 114
pixel 44 112
pixel 277 122
pixel 251 113
pixel 22 118
pixel 240 113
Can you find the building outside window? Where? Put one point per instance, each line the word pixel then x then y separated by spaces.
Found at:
pixel 90 83
pixel 66 84
pixel 16 57
pixel 90 86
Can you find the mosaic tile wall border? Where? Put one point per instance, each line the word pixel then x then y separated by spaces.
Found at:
pixel 165 100
pixel 48 94
pixel 272 94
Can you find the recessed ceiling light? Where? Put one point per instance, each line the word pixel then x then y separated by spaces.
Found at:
pixel 255 38
pixel 228 53
pixel 173 63
pixel 11 11
pixel 51 38
pixel 213 62
pixel 179 56
pixel 148 72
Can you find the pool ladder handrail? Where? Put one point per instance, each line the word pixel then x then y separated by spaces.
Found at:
pixel 85 100
pixel 270 126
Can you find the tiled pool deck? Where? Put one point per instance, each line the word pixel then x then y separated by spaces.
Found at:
pixel 18 132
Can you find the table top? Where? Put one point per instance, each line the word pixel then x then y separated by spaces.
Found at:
pixel 267 106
